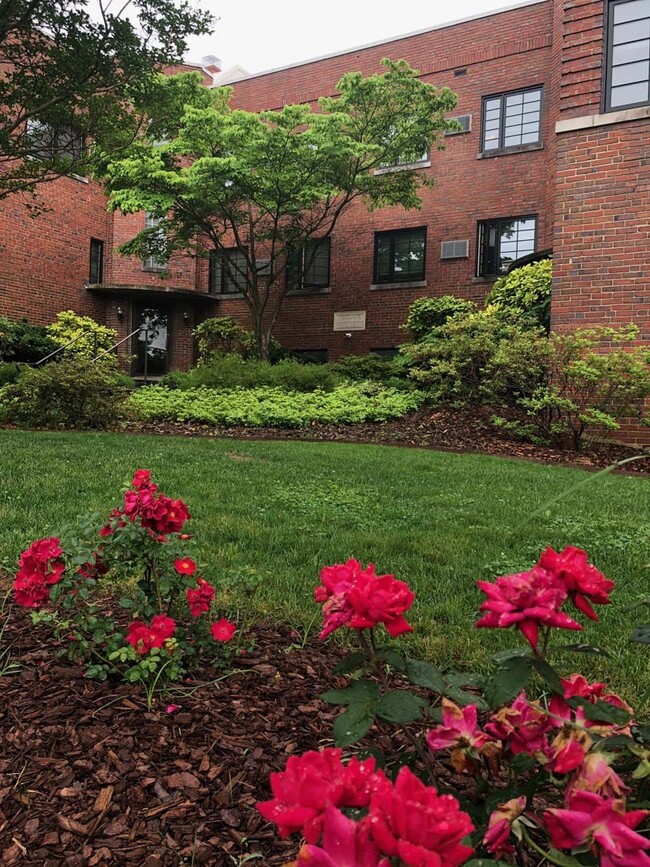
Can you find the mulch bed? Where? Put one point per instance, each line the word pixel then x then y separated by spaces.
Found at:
pixel 89 777
pixel 460 430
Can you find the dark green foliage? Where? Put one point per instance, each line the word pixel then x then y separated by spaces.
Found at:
pixel 233 371
pixel 73 392
pixel 20 341
pixel 425 314
pixel 9 372
pixel 370 366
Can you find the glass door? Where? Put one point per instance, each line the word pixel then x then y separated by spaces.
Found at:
pixel 151 343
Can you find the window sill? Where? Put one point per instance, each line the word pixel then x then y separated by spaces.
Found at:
pixel 414 284
pixel 324 290
pixel 420 164
pixel 591 120
pixel 154 270
pixel 79 178
pixel 488 278
pixel 504 152
pixel 222 296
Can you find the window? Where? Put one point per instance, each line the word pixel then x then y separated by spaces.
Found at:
pixel 628 55
pixel 96 270
pixel 55 143
pixel 308 269
pixel 400 255
pixel 228 272
pixel 310 356
pixel 156 260
pixel 501 242
pixel 512 120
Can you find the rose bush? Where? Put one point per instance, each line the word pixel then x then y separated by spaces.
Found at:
pixel 143 551
pixel 545 777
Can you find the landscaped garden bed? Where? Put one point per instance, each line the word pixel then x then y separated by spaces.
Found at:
pixel 141 729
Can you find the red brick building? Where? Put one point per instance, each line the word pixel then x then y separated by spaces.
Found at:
pixel 554 99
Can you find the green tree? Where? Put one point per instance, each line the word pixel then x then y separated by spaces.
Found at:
pixel 76 71
pixel 268 183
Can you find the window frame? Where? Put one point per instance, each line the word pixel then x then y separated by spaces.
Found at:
pixel 225 275
pixel 503 148
pixel 608 57
pixel 97 243
pixel 481 251
pixel 53 140
pixel 152 262
pixel 401 278
pixel 301 286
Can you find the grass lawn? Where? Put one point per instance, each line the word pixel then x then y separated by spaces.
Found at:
pixel 280 511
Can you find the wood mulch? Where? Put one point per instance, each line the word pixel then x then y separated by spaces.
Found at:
pixel 456 430
pixel 88 776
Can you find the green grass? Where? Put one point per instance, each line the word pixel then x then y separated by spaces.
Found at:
pixel 283 510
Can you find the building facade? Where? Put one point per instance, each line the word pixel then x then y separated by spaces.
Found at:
pixel 554 153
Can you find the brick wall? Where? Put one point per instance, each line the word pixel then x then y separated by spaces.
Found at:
pixel 44 261
pixel 493 54
pixel 601 242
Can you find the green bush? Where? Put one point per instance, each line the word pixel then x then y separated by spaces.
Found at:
pixel 425 314
pixel 345 404
pixel 73 392
pixel 525 293
pixel 9 372
pixel 362 367
pixel 89 337
pixel 233 371
pixel 476 358
pixel 20 341
pixel 594 378
pixel 223 335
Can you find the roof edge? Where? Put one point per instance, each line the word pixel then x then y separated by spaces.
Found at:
pixel 398 38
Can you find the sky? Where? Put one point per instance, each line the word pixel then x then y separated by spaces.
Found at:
pixel 265 34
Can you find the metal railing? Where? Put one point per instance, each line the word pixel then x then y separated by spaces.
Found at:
pixel 65 346
pixel 138 330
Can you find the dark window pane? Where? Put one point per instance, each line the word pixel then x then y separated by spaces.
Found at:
pixel 503 241
pixel 96 261
pixel 400 255
pixel 151 341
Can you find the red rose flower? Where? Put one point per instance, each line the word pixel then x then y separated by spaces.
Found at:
pixel 522 726
pixel 311 782
pixel 223 630
pixel 200 598
pixel 144 637
pixel 584 583
pixel 412 822
pixel 142 479
pixel 186 566
pixel 40 566
pixel 527 601
pixel 361 599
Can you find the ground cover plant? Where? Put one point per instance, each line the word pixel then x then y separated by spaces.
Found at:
pixel 271 513
pixel 274 406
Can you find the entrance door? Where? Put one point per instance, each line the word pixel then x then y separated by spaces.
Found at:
pixel 152 340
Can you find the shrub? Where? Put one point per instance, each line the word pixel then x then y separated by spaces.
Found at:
pixel 89 337
pixel 425 314
pixel 525 294
pixel 74 392
pixel 223 335
pixel 20 341
pixel 589 386
pixel 456 363
pixel 141 551
pixel 233 371
pixel 9 372
pixel 361 367
pixel 345 404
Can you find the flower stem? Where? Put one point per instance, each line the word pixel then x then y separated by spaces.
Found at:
pixel 539 850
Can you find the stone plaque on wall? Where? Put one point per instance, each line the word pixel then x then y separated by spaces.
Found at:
pixel 350 320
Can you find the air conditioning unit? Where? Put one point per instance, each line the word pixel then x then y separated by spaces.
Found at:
pixel 454 250
pixel 465 120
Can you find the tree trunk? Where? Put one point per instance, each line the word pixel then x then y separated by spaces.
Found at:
pixel 262 338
